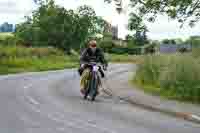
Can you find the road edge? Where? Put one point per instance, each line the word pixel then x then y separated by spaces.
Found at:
pixel 183 115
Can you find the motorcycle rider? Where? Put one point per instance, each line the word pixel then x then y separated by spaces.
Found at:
pixel 92 54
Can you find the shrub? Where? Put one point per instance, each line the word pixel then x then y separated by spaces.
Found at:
pixel 119 50
pixel 106 45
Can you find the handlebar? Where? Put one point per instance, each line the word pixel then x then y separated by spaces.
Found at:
pixel 92 63
pixel 95 63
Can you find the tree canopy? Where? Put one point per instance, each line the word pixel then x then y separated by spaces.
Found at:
pixel 185 11
pixel 52 25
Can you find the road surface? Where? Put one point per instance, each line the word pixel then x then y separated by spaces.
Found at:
pixel 50 102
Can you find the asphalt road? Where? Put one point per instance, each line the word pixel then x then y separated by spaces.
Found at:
pixel 50 102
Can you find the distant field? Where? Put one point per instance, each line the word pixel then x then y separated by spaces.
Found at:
pixel 6 33
pixel 3 35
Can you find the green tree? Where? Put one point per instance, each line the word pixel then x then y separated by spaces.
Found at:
pixel 86 23
pixel 173 41
pixel 185 11
pixel 195 41
pixel 129 37
pixel 141 36
pixel 179 41
pixel 131 41
pixel 166 41
pixel 182 10
pixel 101 25
pixel 135 22
pixel 51 25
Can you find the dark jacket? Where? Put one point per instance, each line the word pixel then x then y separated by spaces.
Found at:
pixel 97 56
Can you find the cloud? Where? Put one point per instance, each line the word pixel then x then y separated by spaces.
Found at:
pixel 166 28
pixel 162 28
pixel 7 6
pixel 13 11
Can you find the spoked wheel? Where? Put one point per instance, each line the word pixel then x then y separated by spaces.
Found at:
pixel 92 86
pixel 88 87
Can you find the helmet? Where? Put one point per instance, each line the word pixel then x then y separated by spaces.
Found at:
pixel 92 43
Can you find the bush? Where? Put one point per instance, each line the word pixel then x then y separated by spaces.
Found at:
pixel 131 44
pixel 106 45
pixel 118 51
pixel 177 76
pixel 135 51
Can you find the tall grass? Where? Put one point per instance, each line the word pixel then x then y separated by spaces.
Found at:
pixel 16 65
pixel 20 51
pixel 14 59
pixel 175 76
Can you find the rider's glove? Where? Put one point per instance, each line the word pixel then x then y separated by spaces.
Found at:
pixel 82 65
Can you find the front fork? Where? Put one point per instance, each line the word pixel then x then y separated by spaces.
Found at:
pixel 95 83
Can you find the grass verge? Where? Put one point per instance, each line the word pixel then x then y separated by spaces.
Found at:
pixel 171 76
pixel 18 65
pixel 16 59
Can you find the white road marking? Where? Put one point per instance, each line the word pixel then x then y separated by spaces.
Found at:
pixel 31 100
pixel 28 86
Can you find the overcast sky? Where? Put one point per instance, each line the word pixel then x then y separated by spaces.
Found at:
pixel 13 11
